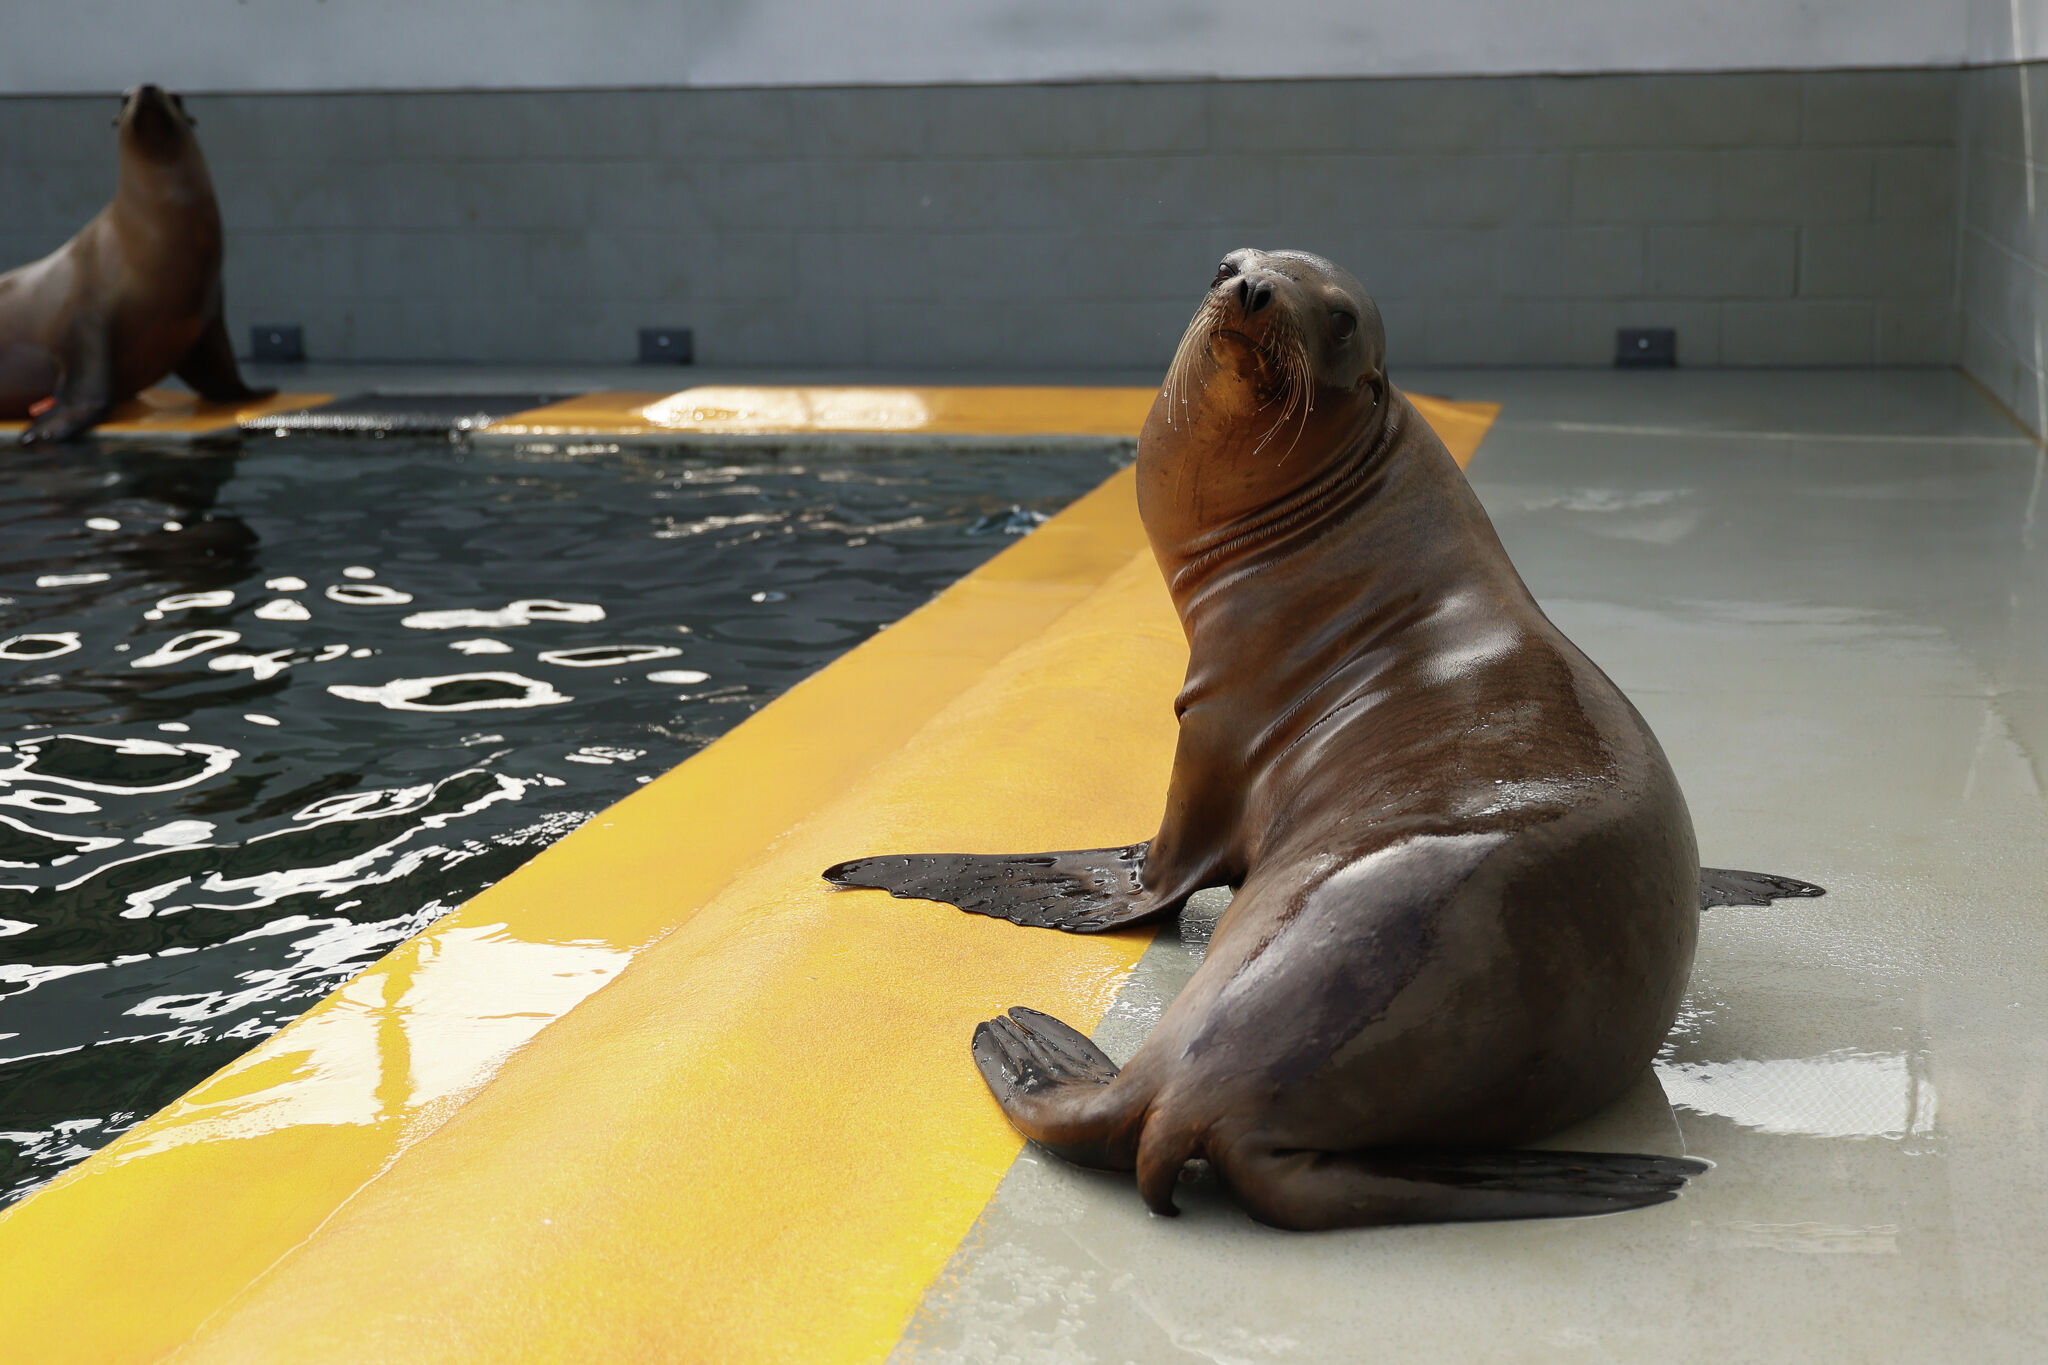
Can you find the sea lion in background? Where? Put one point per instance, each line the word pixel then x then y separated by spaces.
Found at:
pixel 1467 888
pixel 134 296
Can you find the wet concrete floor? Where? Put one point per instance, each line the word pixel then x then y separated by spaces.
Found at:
pixel 1828 592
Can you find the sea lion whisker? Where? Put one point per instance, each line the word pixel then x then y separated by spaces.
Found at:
pixel 1289 355
pixel 1305 382
pixel 1175 388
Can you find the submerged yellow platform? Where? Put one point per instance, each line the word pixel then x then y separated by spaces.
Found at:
pixel 662 1094
pixel 781 411
pixel 175 415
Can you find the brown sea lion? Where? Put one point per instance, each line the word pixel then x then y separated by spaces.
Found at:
pixel 134 296
pixel 1467 889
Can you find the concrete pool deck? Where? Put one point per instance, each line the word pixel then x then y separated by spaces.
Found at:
pixel 753 1135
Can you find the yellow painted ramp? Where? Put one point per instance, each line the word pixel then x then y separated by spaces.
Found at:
pixel 175 415
pixel 662 1094
pixel 795 410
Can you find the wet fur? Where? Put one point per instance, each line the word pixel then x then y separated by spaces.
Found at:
pixel 1467 889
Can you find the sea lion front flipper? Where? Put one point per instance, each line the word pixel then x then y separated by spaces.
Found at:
pixel 28 375
pixel 1725 886
pixel 85 391
pixel 209 368
pixel 1085 891
pixel 1308 1190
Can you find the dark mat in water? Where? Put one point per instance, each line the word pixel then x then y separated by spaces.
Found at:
pixel 408 414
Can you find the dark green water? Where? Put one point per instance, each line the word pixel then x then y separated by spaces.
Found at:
pixel 265 711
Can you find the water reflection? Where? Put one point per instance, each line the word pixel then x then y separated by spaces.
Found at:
pixel 489 691
pixel 1845 1094
pixel 241 770
pixel 398 1041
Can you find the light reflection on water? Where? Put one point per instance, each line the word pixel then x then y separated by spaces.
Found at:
pixel 249 747
pixel 1844 1094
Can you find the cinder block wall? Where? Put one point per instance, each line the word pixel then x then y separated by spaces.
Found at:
pixel 1775 218
pixel 2004 248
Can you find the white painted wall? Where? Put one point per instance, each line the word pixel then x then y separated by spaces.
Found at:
pixel 58 46
pixel 2008 31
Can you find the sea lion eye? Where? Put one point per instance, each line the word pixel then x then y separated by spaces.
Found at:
pixel 1223 272
pixel 1342 324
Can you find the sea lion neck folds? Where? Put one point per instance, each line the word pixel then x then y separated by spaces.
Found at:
pixel 1273 407
pixel 1467 888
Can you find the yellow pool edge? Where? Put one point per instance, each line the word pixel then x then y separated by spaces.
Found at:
pixel 330 1176
pixel 177 416
pixel 728 412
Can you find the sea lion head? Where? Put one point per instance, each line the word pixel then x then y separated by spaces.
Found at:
pixel 153 125
pixel 1280 375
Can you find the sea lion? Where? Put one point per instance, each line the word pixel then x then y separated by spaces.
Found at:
pixel 134 296
pixel 1467 888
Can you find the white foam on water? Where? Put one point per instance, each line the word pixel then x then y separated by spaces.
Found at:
pixel 262 667
pixel 257 718
pixel 607 656
pixel 183 601
pixel 179 648
pixel 358 571
pixel 69 580
pixel 80 843
pixel 288 583
pixel 51 803
pixel 480 646
pixel 216 759
pixel 407 694
pixel 39 645
pixel 366 595
pixel 177 833
pixel 605 754
pixel 523 612
pixel 103 523
pixel 376 803
pixel 283 609
pixel 684 676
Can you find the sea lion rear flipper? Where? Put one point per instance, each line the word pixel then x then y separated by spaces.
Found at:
pixel 1059 1089
pixel 210 371
pixel 1084 891
pixel 1725 886
pixel 1030 1051
pixel 1318 1190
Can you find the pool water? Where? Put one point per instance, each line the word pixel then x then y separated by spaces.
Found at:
pixel 266 710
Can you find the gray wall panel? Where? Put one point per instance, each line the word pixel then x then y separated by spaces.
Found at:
pixel 1770 217
pixel 2003 270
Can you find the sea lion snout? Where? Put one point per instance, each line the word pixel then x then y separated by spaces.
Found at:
pixel 154 120
pixel 1252 294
